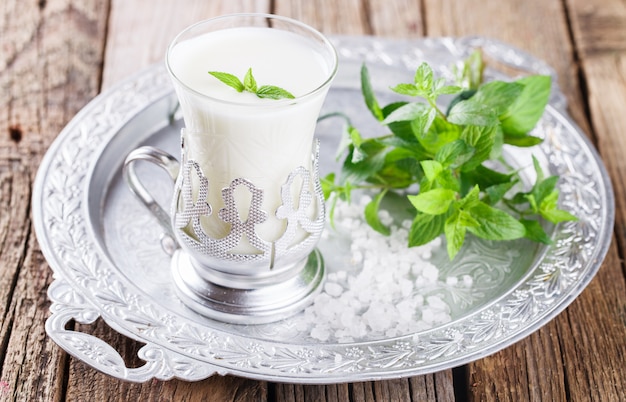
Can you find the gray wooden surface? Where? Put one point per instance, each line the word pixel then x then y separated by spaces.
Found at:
pixel 56 55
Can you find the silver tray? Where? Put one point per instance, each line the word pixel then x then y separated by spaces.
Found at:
pixel 104 247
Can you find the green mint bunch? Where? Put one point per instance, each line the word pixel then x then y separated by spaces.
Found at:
pixel 453 157
pixel 249 84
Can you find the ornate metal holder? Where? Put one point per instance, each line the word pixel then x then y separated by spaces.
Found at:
pixel 275 281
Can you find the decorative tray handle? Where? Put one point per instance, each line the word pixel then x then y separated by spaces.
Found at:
pixel 160 363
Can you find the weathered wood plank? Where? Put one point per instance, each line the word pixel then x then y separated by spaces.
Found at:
pixel 392 390
pixel 436 387
pixel 598 26
pixel 49 68
pixel 328 16
pixel 311 393
pixel 516 374
pixel 598 320
pixel 140 31
pixel 400 18
pixel 603 53
pixel 25 350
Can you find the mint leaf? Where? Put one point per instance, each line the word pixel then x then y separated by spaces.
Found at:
pixel 400 169
pixel 249 83
pixel 498 145
pixel 407 112
pixel 482 140
pixel 469 112
pixel 229 80
pixel 272 92
pixel 463 95
pixel 535 232
pixel 455 234
pixel 470 75
pixel 422 124
pixel 496 192
pixel 368 165
pixel 368 94
pixel 439 133
pixel 454 153
pixel 498 95
pixel 328 184
pixel 406 89
pixel 371 214
pixel 470 200
pixel 442 178
pixel 495 224
pixel 538 169
pixel 432 169
pixel 544 188
pixel 423 78
pixel 522 116
pixel 426 228
pixel 558 215
pixel 445 157
pixel 522 141
pixel 356 140
pixel 440 88
pixel 400 129
pixel 433 202
pixel 549 210
pixel 486 177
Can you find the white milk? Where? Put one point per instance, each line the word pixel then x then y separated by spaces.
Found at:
pixel 238 135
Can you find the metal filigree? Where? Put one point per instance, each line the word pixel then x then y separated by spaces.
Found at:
pixel 187 214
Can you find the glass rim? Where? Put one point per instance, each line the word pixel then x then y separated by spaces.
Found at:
pixel 280 102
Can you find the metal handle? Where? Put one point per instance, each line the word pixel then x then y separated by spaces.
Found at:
pixel 165 161
pixel 162 364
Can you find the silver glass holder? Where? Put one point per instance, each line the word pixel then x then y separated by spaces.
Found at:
pixel 276 281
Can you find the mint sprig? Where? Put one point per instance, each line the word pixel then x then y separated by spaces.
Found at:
pixel 450 156
pixel 249 84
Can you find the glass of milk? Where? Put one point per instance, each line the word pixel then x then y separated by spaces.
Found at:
pixel 247 210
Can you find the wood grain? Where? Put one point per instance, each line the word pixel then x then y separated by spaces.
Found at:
pixel 604 69
pixel 348 17
pixel 602 339
pixel 140 31
pixel 311 393
pixel 401 18
pixel 598 26
pixel 49 68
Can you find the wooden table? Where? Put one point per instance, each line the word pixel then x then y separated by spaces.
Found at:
pixel 56 55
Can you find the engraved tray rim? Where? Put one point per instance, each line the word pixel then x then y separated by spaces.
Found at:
pixel 87 287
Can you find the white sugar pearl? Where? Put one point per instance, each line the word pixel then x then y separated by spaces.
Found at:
pixel 452 281
pixel 379 296
pixel 333 289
